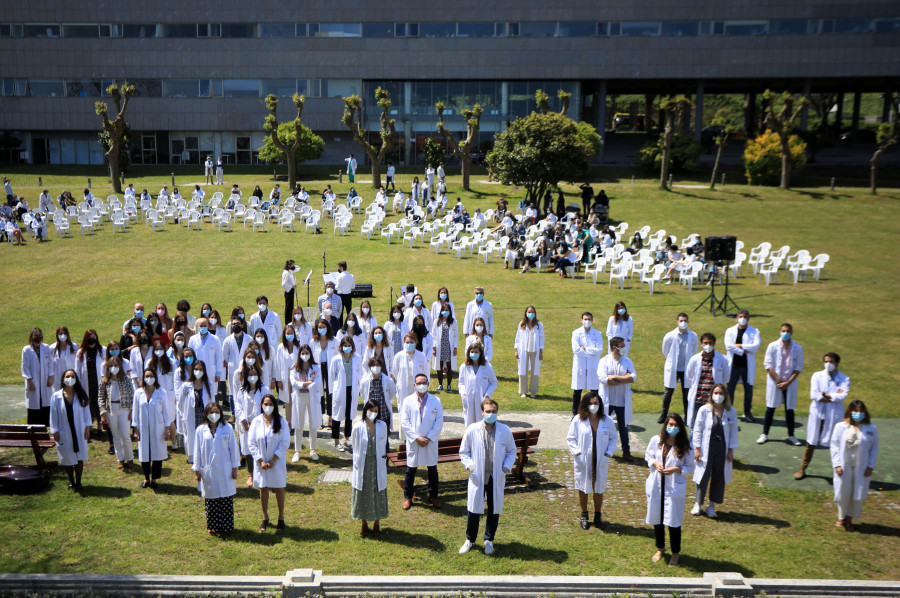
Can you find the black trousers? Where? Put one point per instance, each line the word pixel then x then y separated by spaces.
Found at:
pixel 490 527
pixel 740 374
pixel 659 529
pixel 289 305
pixel 39 417
pixel 576 399
pixel 152 469
pixel 349 412
pixel 409 482
pixel 347 301
pixel 667 396
pixel 788 416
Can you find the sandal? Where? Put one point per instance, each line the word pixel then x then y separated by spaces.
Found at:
pixel 263 525
pixel 280 526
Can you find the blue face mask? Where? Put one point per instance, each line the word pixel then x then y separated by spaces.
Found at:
pixel 673 431
pixel 785 336
pixel 135 329
pixel 621 311
pixel 490 418
pixel 410 347
pixel 445 313
pixel 189 360
pixel 858 416
pixel 443 296
pixel 138 313
pixel 530 315
pixel 417 302
pixel 479 296
pixel 241 316
pixel 204 330
pixel 114 352
pixel 322 331
pixel 474 356
pixel 289 337
pixel 347 349
pixel 205 312
pixel 378 337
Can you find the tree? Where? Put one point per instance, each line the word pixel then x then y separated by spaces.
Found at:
pixel 684 151
pixel 290 141
pixel 434 152
pixel 782 123
pixel 353 119
pixel 124 147
pixel 462 148
pixel 721 121
pixel 543 101
pixel 540 150
pixel 762 157
pixel 675 108
pixel 885 138
pixel 115 129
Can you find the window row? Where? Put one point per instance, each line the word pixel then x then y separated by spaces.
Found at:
pixel 454 29
pixel 184 88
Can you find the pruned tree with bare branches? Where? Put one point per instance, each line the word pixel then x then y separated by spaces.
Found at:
pixel 782 121
pixel 543 101
pixel 271 127
pixel 115 129
pixel 464 146
pixel 675 109
pixel 353 119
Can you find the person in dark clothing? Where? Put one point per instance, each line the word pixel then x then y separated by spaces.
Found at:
pixel 587 194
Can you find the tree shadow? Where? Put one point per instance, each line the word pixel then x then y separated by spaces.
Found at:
pixel 821 195
pixel 875 529
pixel 701 565
pixel 517 424
pixel 270 537
pixel 883 486
pixel 170 489
pixel 297 489
pixel 751 519
pixel 517 550
pixel 105 491
pixel 404 538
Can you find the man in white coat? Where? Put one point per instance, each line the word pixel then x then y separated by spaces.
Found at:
pixel 704 370
pixel 421 419
pixel 406 365
pixel 267 319
pixel 479 308
pixel 38 377
pixel 232 353
pixel 783 363
pixel 587 348
pixel 488 452
pixel 616 375
pixel 829 388
pixel 208 349
pixel 741 344
pixel 677 347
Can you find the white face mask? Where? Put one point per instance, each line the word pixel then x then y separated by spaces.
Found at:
pixel 375 369
pixel 149 381
pixel 262 307
pixel 304 356
pixel 250 360
pixel 159 352
pixel 268 409
pixel 593 408
pixel 830 367
pixel 708 348
pixel 397 315
pixel 682 325
pixel 252 379
pixel 260 340
pixel 718 398
pixel 371 415
pixel 479 329
pixel 62 338
pixel 742 321
pixel 421 388
pixel 329 292
pixel 326 313
pixel 587 324
pixel 213 321
pixel 198 374
pixel 179 344
pixel 214 417
pixel 365 310
pixel 114 370
pixel 69 381
pixel 297 316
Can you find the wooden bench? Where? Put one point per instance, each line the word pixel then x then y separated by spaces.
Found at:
pixel 35 437
pixel 448 451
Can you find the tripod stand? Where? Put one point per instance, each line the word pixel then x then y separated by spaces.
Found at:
pixel 715 304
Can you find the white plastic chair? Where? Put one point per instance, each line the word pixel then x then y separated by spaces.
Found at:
pixel 738 264
pixel 800 268
pixel 487 250
pixel 619 273
pixel 770 270
pixel 118 220
pixel 249 216
pixel 691 276
pixel 286 219
pixel 156 220
pixel 312 222
pixel 817 264
pixel 193 219
pixel 62 227
pixel 758 256
pixel 260 221
pixel 225 220
pixel 652 277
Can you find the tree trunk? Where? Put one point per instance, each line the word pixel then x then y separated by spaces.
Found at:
pixel 712 180
pixel 785 165
pixel 114 166
pixel 376 171
pixel 664 166
pixel 873 171
pixel 292 168
pixel 465 160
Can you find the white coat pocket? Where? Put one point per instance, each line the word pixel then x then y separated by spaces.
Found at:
pixel 680 486
pixel 474 478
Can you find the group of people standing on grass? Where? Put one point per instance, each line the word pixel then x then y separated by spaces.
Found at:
pixel 171 379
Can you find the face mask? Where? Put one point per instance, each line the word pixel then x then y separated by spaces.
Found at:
pixel 621 311
pixel 138 313
pixel 707 348
pixel 91 343
pixel 179 344
pixel 204 330
pixel 114 370
pixel 288 337
pixel 69 381
pixel 214 417
pixel 261 307
pixel 718 399
pixel 350 324
pixel 490 418
pixel 410 347
pixel 329 292
pixel 742 321
pixel 213 321
pixel 443 296
pixel 375 369
pixel 830 367
pixel 189 360
pixel 587 324
pixel 135 329
pixel 326 313
pixel 297 316
pixel 422 388
pixel 144 341
pixel 241 316
pixel 268 409
pixel 396 315
pixel 159 352
pixel 205 312
pixel 161 313
pixel 198 374
pixel 260 340
pixel 858 416
pixel 785 336
pixel 252 379
pixel 445 313
pixel 673 431
pixel 250 360
pixel 417 302
pixel 365 310
pixel 323 331
pixel 530 315
pixel 113 352
pixel 378 337
pixel 304 356
pixel 479 296
pixel 474 356
pixel 149 381
pixel 593 408
pixel 347 349
pixel 62 338
pixel 479 329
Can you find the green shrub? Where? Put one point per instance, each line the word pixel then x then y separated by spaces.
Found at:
pixel 683 154
pixel 762 158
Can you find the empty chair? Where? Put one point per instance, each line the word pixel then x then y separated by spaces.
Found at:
pixel 249 216
pixel 239 210
pixel 193 219
pixel 217 215
pixel 487 250
pixel 118 220
pixel 218 195
pixel 619 273
pixel 260 221
pixel 286 219
pixel 690 240
pixel 225 220
pixel 388 232
pixel 411 235
pixel 652 277
pixel 691 275
pixel 62 227
pixel 817 264
pixel 799 268
pixel 156 220
pixel 595 269
pixel 737 265
pixel 438 242
pixel 341 224
pixel 758 256
pixel 791 260
pixel 356 204
pixel 781 253
pixel 312 222
pixel 770 270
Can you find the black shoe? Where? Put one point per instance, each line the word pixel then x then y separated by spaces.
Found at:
pixel 78 487
pixel 154 485
pixel 111 451
pixel 280 526
pixel 585 524
pixel 598 521
pixel 662 419
pixel 145 484
pixel 748 417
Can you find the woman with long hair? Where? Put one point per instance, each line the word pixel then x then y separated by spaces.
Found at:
pixel 116 401
pixel 478 334
pixel 621 324
pixel 89 364
pixel 268 440
pixel 302 329
pixel 352 329
pixel 396 329
pixel 345 371
pixel 285 358
pixel 160 363
pixel 215 468
pixel 150 419
pixel 193 397
pixel 266 356
pixel 714 436
pixel 442 300
pixel 529 347
pixel 424 340
pixel 367 319
pixel 306 385
pixel 477 382
pixel 324 347
pixel 592 442
pixel 378 347
pixel 163 312
pixel 62 356
pixel 369 501
pixel 854 451
pixel 70 425
pixel 38 374
pixel 248 395
pixel 446 344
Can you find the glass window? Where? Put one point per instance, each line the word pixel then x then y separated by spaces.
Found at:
pixel 887 25
pixel 680 28
pixel 313 29
pixel 814 26
pixel 277 30
pixel 205 88
pixel 80 31
pixel 383 30
pixel 614 28
pixel 178 30
pixel 437 30
pixel 853 25
pixel 718 28
pixel 181 88
pixel 241 88
pixel 10 30
pixel 577 29
pixel 15 87
pixel 217 88
pixel 704 27
pixel 339 88
pixel 143 30
pixel 640 28
pixel 828 26
pixel 538 29
pixel 339 30
pixel 282 88
pixel 238 30
pixel 46 88
pixel 311 88
pixel 148 88
pixel 83 89
pixel 40 30
pixel 746 27
pixel 110 31
pixel 506 29
pixel 787 27
pixel 476 30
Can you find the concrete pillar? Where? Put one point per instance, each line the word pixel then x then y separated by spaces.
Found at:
pixel 217 145
pixel 648 110
pixel 27 145
pixel 504 101
pixel 804 114
pixel 600 107
pixel 407 98
pixel 407 144
pixel 857 100
pixel 698 111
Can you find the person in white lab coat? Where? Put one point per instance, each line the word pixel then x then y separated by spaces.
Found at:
pixel 38 374
pixel 592 442
pixel 854 451
pixel 352 329
pixel 671 462
pixel 443 298
pixel 677 347
pixel 783 364
pixel 367 320
pixel 418 309
pixel 89 366
pixel 62 356
pixel 248 396
pixel 269 439
pixel 265 352
pixel 345 370
pixel 478 334
pixel 488 452
pixel 529 348
pixel 421 422
pixel 302 328
pixel 703 370
pixel 233 350
pixel 216 467
pixel 116 400
pixel 70 426
pixel 306 384
pixel 265 318
pixel 406 365
pixel 621 324
pixel 616 374
pixel 324 347
pixel 369 501
pixel 289 285
pixel 377 387
pixel 377 346
pixel 351 168
pixel 446 344
pixel 742 341
pixel 150 419
pixel 587 349
pixel 714 436
pixel 396 328
pixel 828 390
pixel 479 307
pixel 193 397
pixel 477 382
pixel 424 339
pixel 285 358
pixel 208 349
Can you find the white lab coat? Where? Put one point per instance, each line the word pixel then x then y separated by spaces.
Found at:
pixel 585 361
pixel 473 387
pixel 247 406
pixel 413 311
pixel 59 422
pixel 867 456
pixel 520 345
pixel 81 366
pixel 281 368
pixel 315 394
pixel 233 354
pixel 471 454
pixel 184 402
pixel 773 359
pixel 338 383
pixel 208 350
pixel 60 363
pixel 387 385
pixel 215 458
pixel 402 374
pixel 151 417
pixel 700 439
pixel 264 444
pixel 390 327
pixel 837 386
pixel 670 350
pixel 37 368
pixel 720 371
pixel 473 311
pixel 675 484
pixel 137 362
pixel 605 368
pixel 579 442
pixel 623 329
pixel 486 342
pixel 438 335
pixel 368 353
pixel 272 325
pixel 359 440
pixel 427 425
pixel 750 343
pixel 367 323
pixel 302 333
pixel 436 311
pixel 359 339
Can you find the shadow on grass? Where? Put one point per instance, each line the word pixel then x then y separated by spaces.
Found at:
pixel 751 519
pixel 517 550
pixel 404 538
pixel 821 195
pixel 628 530
pixel 875 529
pixel 170 489
pixel 700 565
pixel 754 467
pixel 104 491
pixel 297 489
pixel 270 537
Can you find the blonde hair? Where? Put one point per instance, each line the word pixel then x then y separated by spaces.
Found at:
pixel 724 388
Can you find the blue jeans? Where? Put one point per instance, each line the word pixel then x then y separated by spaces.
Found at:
pixel 623 428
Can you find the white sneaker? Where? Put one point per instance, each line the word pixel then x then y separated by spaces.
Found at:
pixel 488 548
pixel 295 458
pixel 466 547
pixel 313 455
pixel 340 448
pixel 793 440
pixel 762 439
pixel 696 509
pixel 711 510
